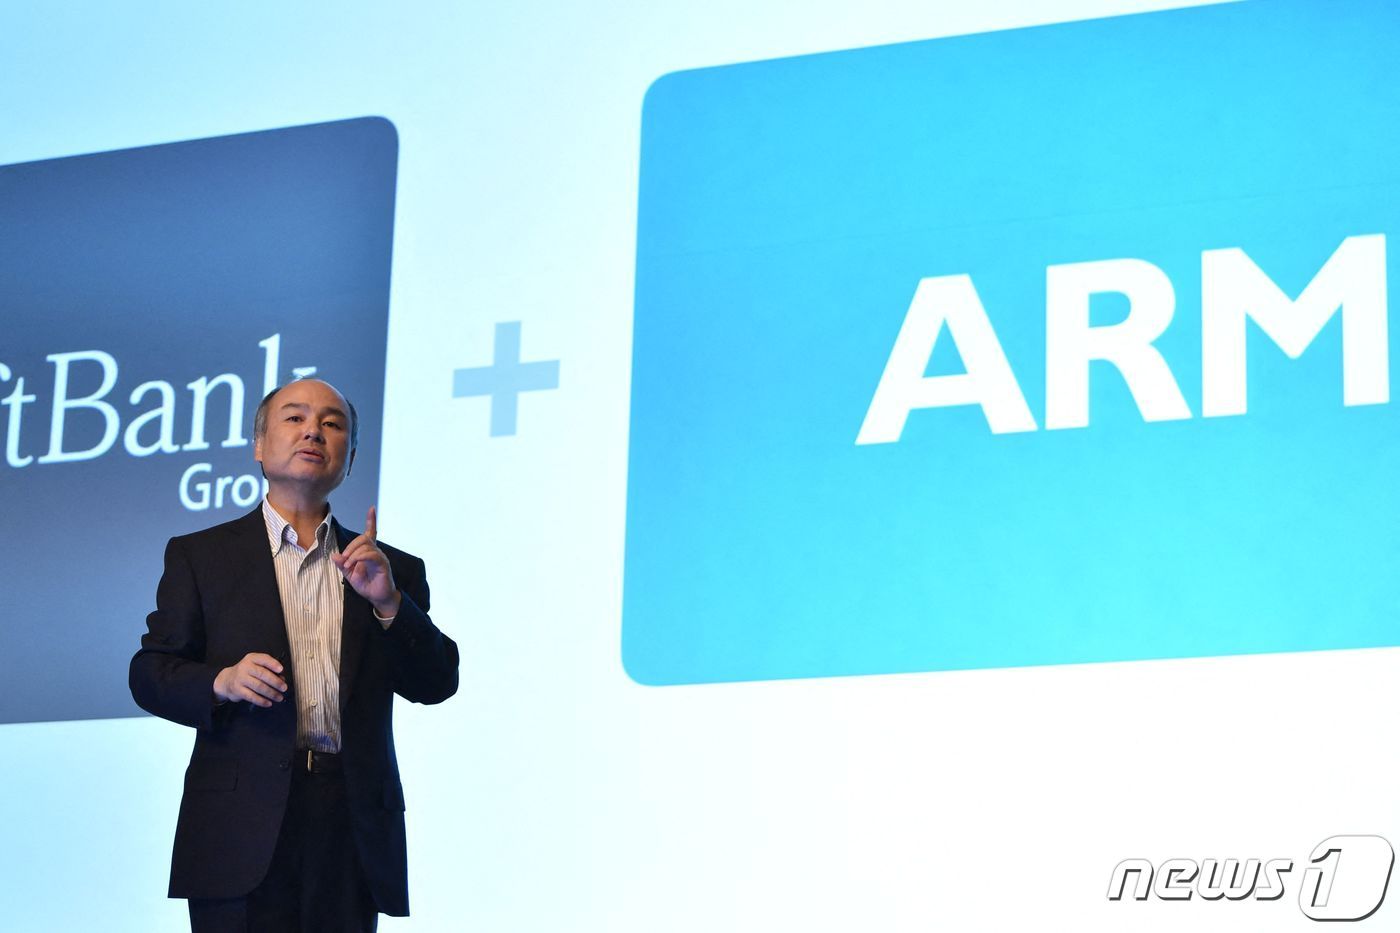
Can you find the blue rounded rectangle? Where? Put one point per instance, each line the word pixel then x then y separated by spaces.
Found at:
pixel 789 212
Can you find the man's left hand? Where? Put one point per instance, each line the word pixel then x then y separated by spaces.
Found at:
pixel 366 569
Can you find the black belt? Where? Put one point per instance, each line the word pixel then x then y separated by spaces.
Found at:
pixel 310 760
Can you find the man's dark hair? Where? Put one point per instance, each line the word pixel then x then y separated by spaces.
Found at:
pixel 260 417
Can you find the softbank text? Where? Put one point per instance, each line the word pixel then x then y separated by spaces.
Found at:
pixel 148 430
pixel 1234 290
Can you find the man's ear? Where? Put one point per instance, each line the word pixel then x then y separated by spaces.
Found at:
pixel 257 449
pixel 350 465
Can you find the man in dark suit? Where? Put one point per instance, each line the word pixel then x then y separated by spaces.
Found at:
pixel 282 638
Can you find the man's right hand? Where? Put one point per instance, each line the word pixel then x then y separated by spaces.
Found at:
pixel 253 679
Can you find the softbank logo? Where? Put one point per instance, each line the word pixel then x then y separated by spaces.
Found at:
pixel 150 298
pixel 1235 291
pixel 159 413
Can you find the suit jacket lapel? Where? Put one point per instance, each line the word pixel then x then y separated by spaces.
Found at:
pixel 357 621
pixel 251 551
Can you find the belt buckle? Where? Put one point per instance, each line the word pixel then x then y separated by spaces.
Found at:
pixel 309 760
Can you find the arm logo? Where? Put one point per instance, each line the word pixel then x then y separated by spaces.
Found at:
pixel 1234 292
pixel 989 351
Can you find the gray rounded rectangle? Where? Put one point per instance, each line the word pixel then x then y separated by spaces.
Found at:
pixel 149 297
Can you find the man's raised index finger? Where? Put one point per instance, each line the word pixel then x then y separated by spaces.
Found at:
pixel 369 525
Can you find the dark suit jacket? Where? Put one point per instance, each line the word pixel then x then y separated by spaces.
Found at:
pixel 217 601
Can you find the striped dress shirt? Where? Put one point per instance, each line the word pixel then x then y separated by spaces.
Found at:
pixel 314 607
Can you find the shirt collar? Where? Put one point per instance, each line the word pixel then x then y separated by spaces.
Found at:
pixel 280 531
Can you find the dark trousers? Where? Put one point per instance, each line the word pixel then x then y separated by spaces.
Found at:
pixel 315 882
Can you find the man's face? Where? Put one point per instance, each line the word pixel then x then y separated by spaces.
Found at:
pixel 307 440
